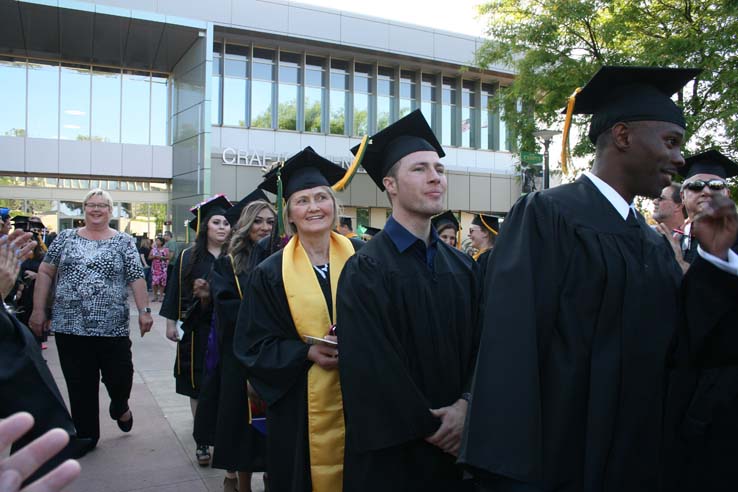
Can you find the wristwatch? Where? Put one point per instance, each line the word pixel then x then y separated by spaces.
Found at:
pixel 466 396
pixel 144 310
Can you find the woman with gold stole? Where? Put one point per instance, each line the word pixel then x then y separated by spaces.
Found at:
pixel 187 299
pixel 483 234
pixel 291 295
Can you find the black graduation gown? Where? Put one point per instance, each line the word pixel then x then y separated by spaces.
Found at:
pixel 482 261
pixel 267 343
pixel 26 385
pixel 407 342
pixel 238 446
pixel 701 424
pixel 579 311
pixel 190 360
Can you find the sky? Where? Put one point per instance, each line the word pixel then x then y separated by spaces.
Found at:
pixel 450 15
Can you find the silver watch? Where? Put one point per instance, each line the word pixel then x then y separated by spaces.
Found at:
pixel 144 310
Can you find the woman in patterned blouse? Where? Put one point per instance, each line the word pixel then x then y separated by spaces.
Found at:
pixel 93 267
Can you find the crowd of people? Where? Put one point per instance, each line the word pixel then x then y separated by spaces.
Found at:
pixel 576 349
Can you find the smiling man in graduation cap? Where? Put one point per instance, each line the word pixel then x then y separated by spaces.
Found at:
pixel 407 312
pixel 581 305
pixel 704 174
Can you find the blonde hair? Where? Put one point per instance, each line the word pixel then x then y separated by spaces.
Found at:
pixel 289 227
pixel 101 193
pixel 241 245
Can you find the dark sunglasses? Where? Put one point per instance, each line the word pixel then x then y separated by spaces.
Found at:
pixel 713 184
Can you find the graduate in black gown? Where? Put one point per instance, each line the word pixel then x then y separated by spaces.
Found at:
pixel 239 447
pixel 408 324
pixel 483 234
pixel 187 299
pixel 291 295
pixel 711 169
pixel 447 226
pixel 581 306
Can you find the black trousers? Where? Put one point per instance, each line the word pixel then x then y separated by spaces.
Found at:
pixel 83 360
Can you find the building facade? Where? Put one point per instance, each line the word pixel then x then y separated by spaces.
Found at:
pixel 164 102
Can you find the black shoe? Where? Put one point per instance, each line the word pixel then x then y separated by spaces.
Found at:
pixel 126 425
pixel 202 453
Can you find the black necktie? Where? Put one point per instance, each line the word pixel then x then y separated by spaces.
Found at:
pixel 632 220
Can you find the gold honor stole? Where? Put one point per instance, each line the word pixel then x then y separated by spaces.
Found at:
pixel 325 405
pixel 478 254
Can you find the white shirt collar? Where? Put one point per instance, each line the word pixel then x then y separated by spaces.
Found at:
pixel 617 201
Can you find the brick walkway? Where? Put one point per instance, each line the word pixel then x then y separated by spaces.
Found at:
pixel 159 453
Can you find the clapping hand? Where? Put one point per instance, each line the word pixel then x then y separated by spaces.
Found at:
pixel 19 466
pixel 14 248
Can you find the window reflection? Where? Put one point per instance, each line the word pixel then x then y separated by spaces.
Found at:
pixel 262 88
pixel 385 96
pixel 136 107
pixel 289 82
pixel 13 98
pixel 468 114
pixel 73 209
pixel 407 92
pixel 429 98
pixel 363 74
pixel 338 96
pixel 216 83
pixel 106 104
pixel 448 112
pixel 235 85
pixel 314 89
pixel 159 109
pixel 43 100
pixel 42 182
pixel 12 181
pixel 75 103
pixel 487 118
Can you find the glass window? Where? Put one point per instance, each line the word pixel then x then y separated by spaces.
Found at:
pixel 468 114
pixel 362 216
pixel 16 206
pixel 429 98
pixel 136 107
pixel 408 97
pixel 159 187
pixel 43 100
pixel 338 97
pixel 157 214
pixel 262 88
pixel 216 83
pixel 75 103
pixel 42 182
pixel 448 112
pixel 106 84
pixel 159 109
pixel 503 135
pixel 235 85
pixel 385 95
pixel 289 82
pixel 12 181
pixel 363 74
pixel 13 98
pixel 487 117
pixel 71 208
pixel 314 93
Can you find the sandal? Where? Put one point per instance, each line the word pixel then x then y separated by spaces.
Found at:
pixel 202 453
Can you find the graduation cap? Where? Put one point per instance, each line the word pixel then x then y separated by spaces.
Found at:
pixel 618 93
pixel 710 162
pixel 346 221
pixel 405 136
pixel 234 213
pixel 371 231
pixel 304 170
pixel 489 222
pixel 446 217
pixel 216 205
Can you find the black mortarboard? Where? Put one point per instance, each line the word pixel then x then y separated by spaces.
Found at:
pixel 346 221
pixel 405 136
pixel 632 94
pixel 304 170
pixel 234 213
pixel 710 162
pixel 489 222
pixel 447 217
pixel 216 205
pixel 371 231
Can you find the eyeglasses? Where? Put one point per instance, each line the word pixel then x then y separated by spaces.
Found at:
pixel 698 185
pixel 97 206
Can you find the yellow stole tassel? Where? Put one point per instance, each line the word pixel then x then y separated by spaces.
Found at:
pixel 567 125
pixel 325 404
pixel 478 254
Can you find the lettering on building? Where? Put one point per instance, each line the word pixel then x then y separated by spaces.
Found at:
pixel 257 158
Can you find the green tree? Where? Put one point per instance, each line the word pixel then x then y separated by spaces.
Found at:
pixel 557 45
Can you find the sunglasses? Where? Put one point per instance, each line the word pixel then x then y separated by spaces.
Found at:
pixel 698 185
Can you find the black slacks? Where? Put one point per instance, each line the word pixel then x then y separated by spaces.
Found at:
pixel 83 360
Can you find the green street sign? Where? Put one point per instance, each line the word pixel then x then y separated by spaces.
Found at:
pixel 531 158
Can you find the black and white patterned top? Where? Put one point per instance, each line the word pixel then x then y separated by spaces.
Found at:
pixel 92 283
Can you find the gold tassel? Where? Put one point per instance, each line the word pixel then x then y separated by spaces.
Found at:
pixel 487 225
pixel 567 125
pixel 346 180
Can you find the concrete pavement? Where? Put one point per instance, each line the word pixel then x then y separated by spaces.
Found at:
pixel 159 453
